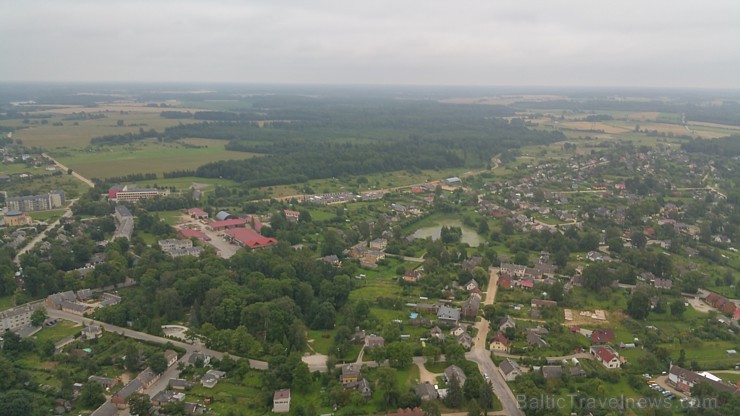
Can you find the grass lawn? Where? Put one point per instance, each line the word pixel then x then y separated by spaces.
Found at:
pixel 61 330
pixel 438 367
pixel 147 156
pixel 47 215
pixel 7 302
pixel 42 184
pixel 228 396
pixel 148 238
pixel 184 183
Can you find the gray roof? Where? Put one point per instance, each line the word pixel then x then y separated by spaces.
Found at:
pixel 222 215
pixel 508 366
pixel 552 371
pixel 132 387
pixel 457 372
pixel 425 389
pixel 445 312
pixel 106 409
pixel 123 211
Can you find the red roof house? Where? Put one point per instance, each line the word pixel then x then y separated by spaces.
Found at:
pixel 197 213
pixel 249 238
pixel 602 336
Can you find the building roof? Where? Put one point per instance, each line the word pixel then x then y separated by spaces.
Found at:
pixel 13 213
pixel 605 353
pixel 197 212
pixel 281 394
pixel 552 371
pixel 222 215
pixel 132 387
pixel 250 238
pixel 693 378
pixel 416 411
pixel 445 312
pixel 602 336
pixel 227 223
pixel 457 372
pixel 508 366
pixel 425 389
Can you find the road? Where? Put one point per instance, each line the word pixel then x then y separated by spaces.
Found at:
pixel 482 356
pixel 189 349
pixel 42 234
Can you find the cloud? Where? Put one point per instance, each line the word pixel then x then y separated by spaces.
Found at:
pixel 501 42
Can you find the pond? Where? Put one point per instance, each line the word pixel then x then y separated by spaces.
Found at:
pixel 469 235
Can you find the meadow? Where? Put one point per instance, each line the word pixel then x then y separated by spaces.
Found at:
pixel 147 156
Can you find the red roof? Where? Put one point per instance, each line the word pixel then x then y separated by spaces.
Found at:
pixel 227 223
pixel 526 283
pixel 736 314
pixel 289 213
pixel 256 224
pixel 602 336
pixel 188 233
pixel 250 238
pixel 197 212
pixel 605 354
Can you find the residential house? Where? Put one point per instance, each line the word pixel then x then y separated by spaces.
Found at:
pixel 291 216
pixel 470 307
pixel 198 356
pixel 332 259
pixel 106 382
pixel 350 376
pixel 472 284
pixel 465 340
pixel 211 378
pixel 425 391
pixel 552 371
pixel 365 389
pixel 281 401
pixel 119 398
pixel 167 396
pixel 373 341
pixel 171 357
pixel 500 343
pixel 507 322
pixel 606 356
pixel 16 318
pixel 148 378
pixel 602 336
pixel 411 276
pixel 504 280
pixel 456 372
pixel 379 244
pixel 509 369
pixel 663 283
pixel 458 330
pixel 194 409
pixel 535 340
pixel 436 332
pixel 471 263
pixel 92 332
pixel 448 315
pixel 180 384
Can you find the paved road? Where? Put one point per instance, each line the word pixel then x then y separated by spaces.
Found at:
pixel 256 364
pixel 482 357
pixel 41 235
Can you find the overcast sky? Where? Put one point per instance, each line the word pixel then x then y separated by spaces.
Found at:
pixel 660 43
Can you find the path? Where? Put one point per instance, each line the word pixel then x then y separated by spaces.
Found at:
pixel 425 376
pixel 87 182
pixel 482 357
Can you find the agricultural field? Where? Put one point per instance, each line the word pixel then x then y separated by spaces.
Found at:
pixel 146 156
pixel 77 133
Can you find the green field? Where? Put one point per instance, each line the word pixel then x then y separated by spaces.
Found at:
pixel 42 184
pixel 47 215
pixel 61 330
pixel 144 157
pixel 48 136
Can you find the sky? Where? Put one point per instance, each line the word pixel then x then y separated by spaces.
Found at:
pixel 636 43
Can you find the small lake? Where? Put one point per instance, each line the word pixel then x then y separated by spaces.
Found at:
pixel 469 235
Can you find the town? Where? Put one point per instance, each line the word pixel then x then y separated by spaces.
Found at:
pixel 581 264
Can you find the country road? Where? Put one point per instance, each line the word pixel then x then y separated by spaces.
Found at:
pixel 58 314
pixel 87 182
pixel 482 356
pixel 29 245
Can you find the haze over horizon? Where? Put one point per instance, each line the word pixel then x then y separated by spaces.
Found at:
pixel 526 43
